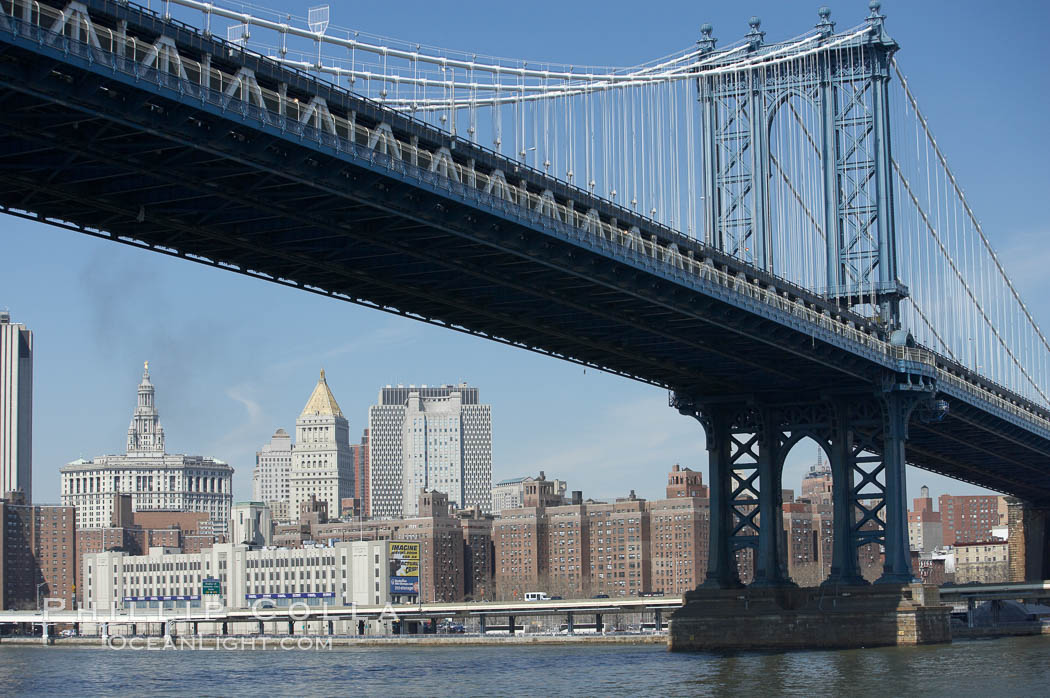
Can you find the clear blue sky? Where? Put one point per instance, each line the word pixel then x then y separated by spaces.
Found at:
pixel 234 358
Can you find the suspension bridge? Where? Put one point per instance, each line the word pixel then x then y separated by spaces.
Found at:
pixel 767 229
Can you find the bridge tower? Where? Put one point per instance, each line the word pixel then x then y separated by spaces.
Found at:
pixel 844 80
pixel 843 77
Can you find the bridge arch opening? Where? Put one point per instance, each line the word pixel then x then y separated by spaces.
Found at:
pixel 809 514
pixel 796 190
pixel 807 510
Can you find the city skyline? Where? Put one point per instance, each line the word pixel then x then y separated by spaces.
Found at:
pixel 243 472
pixel 796 470
pixel 99 309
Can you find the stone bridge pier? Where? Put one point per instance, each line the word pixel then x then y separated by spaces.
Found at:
pixel 1029 541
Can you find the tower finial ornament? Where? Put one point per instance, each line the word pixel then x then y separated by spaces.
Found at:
pixel 825 26
pixel 707 42
pixel 322 376
pixel 145 366
pixel 756 36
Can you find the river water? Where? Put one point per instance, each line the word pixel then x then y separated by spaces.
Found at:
pixel 1005 667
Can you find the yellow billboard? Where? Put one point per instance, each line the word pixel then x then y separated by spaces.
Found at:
pixel 404 567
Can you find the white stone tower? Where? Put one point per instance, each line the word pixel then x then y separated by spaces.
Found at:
pixel 321 461
pixel 145 435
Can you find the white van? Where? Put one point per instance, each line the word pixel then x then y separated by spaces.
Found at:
pixel 536 596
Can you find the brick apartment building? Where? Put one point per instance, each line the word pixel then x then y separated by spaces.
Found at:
pixel 568 553
pixel 678 538
pixel 925 527
pixel 816 484
pixel 520 537
pixel 441 548
pixel 38 553
pixel 627 547
pixel 809 533
pixel 620 555
pixel 970 518
pixel 929 570
pixel 478 556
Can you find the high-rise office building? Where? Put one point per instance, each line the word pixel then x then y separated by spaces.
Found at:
pixel 322 466
pixel 386 424
pixel 273 470
pixel 429 438
pixel 16 407
pixel 155 479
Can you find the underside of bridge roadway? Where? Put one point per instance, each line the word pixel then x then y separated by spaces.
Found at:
pixel 85 149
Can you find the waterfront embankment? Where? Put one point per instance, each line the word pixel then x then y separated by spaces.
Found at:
pixel 292 641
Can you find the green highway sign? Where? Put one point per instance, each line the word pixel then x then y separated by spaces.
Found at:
pixel 211 586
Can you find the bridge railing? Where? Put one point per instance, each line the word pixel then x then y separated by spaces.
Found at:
pixel 161 63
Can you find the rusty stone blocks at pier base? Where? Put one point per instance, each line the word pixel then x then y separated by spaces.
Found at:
pixel 829 617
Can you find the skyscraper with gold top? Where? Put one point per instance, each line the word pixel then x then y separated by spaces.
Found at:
pixel 321 462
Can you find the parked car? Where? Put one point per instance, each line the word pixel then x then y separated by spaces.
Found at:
pixel 68 633
pixel 601 596
pixel 451 627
